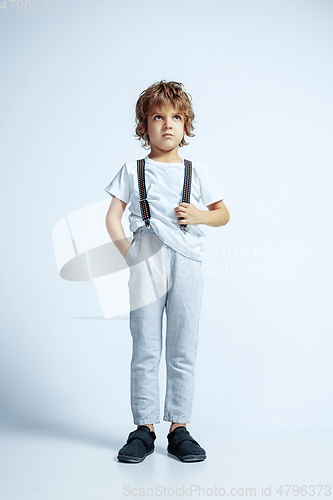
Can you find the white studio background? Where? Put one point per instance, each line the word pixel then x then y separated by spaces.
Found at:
pixel 260 75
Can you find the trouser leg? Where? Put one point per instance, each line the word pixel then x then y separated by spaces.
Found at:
pixel 183 303
pixel 146 331
pixel 146 322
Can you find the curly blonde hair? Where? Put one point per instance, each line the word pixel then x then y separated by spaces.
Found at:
pixel 156 95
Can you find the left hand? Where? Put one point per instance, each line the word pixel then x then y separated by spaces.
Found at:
pixel 191 214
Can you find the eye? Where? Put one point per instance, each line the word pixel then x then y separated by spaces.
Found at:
pixel 176 116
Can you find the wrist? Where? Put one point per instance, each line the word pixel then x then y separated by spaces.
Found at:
pixel 202 218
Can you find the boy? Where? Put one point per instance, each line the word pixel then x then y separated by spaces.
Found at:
pixel 165 266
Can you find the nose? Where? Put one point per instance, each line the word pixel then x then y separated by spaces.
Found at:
pixel 167 123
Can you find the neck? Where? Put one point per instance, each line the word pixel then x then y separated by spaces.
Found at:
pixel 165 157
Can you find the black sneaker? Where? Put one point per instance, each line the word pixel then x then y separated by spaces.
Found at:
pixel 139 445
pixel 183 446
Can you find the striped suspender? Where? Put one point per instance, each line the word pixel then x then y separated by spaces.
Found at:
pixel 187 186
pixel 144 205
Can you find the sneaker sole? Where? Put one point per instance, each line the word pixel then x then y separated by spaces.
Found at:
pixel 188 458
pixel 133 460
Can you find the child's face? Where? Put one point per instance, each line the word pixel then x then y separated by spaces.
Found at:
pixel 162 120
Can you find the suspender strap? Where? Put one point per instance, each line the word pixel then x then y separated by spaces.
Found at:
pixel 144 205
pixel 187 185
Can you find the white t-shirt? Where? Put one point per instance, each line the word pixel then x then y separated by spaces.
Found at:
pixel 164 187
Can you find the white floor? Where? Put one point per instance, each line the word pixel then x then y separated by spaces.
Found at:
pixel 66 464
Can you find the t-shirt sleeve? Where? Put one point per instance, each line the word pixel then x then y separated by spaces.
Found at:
pixel 209 192
pixel 120 185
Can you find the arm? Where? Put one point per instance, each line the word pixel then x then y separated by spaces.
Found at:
pixel 115 227
pixel 216 215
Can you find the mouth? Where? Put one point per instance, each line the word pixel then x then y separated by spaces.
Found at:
pixel 167 135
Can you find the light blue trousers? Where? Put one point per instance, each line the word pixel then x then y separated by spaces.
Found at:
pixel 162 279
